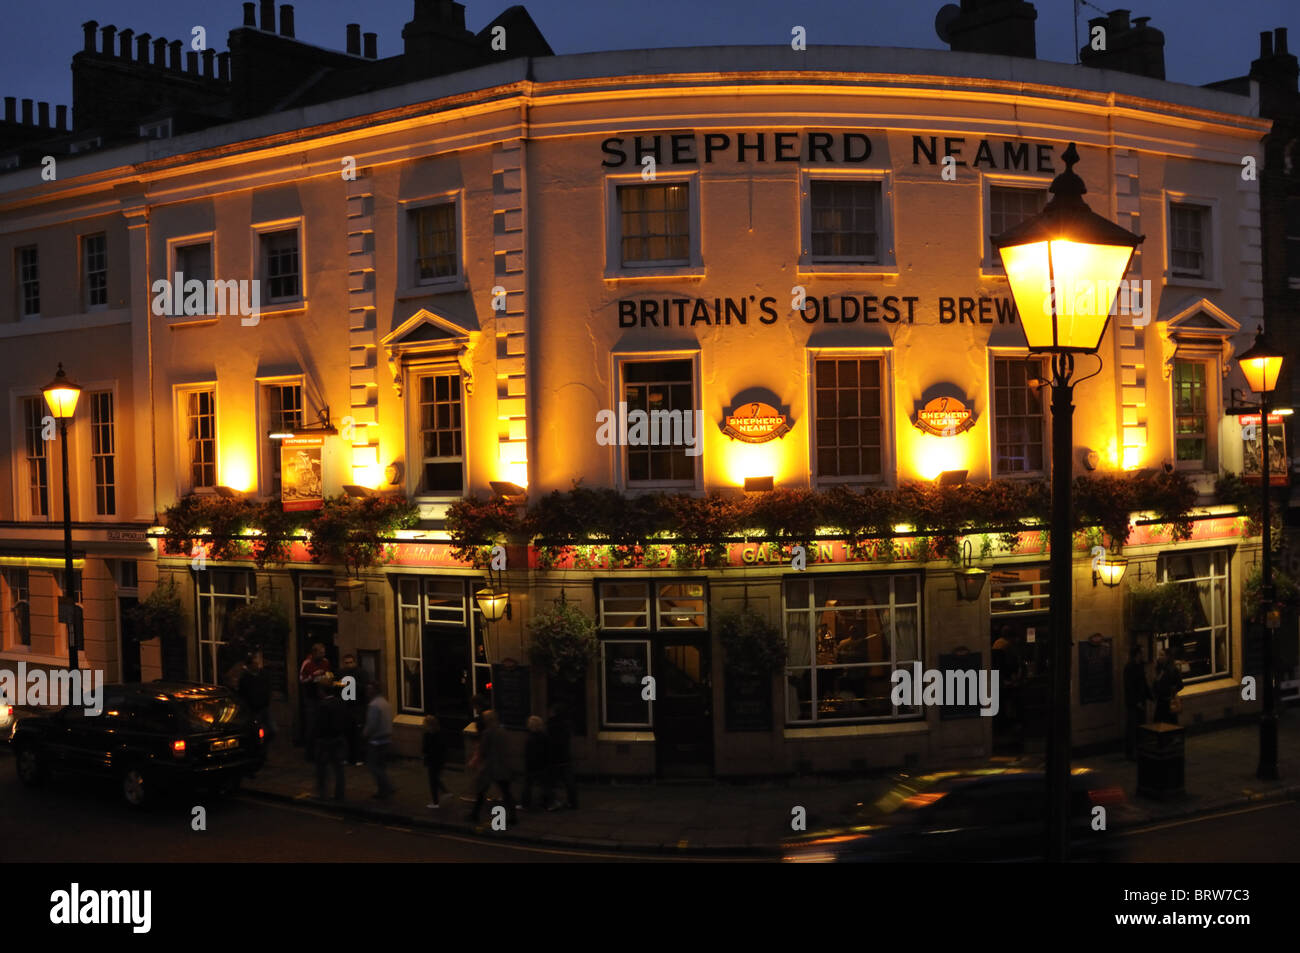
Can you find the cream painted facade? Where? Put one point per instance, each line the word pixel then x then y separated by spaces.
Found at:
pixel 530 321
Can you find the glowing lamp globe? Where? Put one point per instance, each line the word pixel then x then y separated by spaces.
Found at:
pixel 1261 364
pixel 1065 265
pixel 61 394
pixel 493 603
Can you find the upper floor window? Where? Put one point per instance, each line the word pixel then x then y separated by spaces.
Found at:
pixel 103 452
pixel 655 224
pixel 846 221
pixel 94 259
pixel 18 608
pixel 38 472
pixel 436 243
pixel 1008 206
pixel 194 261
pixel 200 434
pixel 29 281
pixel 1189 240
pixel 283 412
pixel 659 451
pixel 1191 417
pixel 281 266
pixel 849 429
pixel 1019 422
pixel 440 433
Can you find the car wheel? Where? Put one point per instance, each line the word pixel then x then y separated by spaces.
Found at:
pixel 134 789
pixel 31 766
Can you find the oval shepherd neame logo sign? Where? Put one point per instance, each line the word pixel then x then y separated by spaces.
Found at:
pixel 756 422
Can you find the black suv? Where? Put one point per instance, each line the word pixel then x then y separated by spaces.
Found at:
pixel 149 738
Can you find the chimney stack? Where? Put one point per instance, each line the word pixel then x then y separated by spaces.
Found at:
pixel 192 62
pixel 286 20
pixel 1000 27
pixel 1279 41
pixel 268 15
pixel 11 109
pixel 61 118
pixel 223 66
pixel 1130 48
pixel 89 28
pixel 372 45
pixel 354 39
pixel 43 115
pixel 27 112
pixel 209 55
pixel 106 34
pixel 174 57
pixel 142 48
pixel 124 43
pixel 250 14
pixel 160 52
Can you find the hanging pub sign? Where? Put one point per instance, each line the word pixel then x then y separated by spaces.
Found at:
pixel 945 416
pixel 1252 456
pixel 301 473
pixel 756 422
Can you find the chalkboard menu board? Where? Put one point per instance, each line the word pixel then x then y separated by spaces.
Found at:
pixel 512 695
pixel 1096 671
pixel 625 666
pixel 748 703
pixel 962 662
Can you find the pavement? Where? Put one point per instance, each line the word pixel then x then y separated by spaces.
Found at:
pixel 737 818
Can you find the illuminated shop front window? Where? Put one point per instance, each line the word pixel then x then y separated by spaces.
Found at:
pixel 1202 651
pixel 846 635
pixel 220 592
pixel 441 647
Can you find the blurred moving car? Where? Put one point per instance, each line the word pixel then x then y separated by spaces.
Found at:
pixel 983 814
pixel 6 716
pixel 150 739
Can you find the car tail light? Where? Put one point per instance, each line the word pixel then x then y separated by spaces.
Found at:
pixel 178 747
pixel 261 734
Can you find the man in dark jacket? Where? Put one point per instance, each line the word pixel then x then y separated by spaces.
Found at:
pixel 255 692
pixel 560 734
pixel 1169 682
pixel 331 739
pixel 1137 692
pixel 356 707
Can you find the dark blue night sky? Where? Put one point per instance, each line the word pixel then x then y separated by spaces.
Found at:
pixel 1205 40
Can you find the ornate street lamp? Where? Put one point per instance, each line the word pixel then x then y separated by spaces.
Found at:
pixel 970 579
pixel 1262 364
pixel 1064 266
pixel 1110 570
pixel 61 395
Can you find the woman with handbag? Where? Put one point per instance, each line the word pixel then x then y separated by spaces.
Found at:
pixel 1169 682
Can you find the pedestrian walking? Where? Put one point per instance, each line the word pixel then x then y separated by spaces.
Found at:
pixel 255 692
pixel 1137 692
pixel 537 763
pixel 331 740
pixel 355 702
pixel 492 767
pixel 1169 682
pixel 435 756
pixel 559 733
pixel 379 738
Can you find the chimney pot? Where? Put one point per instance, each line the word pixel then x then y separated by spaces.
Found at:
pixel 11 108
pixel 1140 22
pixel 268 15
pixel 61 118
pixel 192 62
pixel 124 43
pixel 27 112
pixel 1118 21
pixel 89 28
pixel 209 56
pixel 354 39
pixel 174 57
pixel 286 20
pixel 160 52
pixel 223 66
pixel 372 45
pixel 250 14
pixel 1265 45
pixel 142 48
pixel 1279 41
pixel 43 115
pixel 106 34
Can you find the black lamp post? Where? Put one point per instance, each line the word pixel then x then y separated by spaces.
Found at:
pixel 1261 364
pixel 61 395
pixel 1061 258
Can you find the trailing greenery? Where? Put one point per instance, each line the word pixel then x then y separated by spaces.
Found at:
pixel 259 623
pixel 1286 592
pixel 752 647
pixel 159 615
pixel 1167 607
pixel 357 533
pixel 563 640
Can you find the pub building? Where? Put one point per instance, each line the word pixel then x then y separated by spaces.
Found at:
pixel 471 280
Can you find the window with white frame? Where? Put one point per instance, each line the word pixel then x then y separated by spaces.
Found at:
pixel 846 635
pixel 317 595
pixel 29 281
pixel 655 224
pixel 435 241
pixel 103 449
pixel 1019 590
pixel 845 221
pixel 1008 206
pixel 199 433
pixel 17 608
pixel 1019 416
pixel 440 608
pixel 282 411
pixel 220 592
pixel 94 263
pixel 1203 651
pixel 439 432
pixel 1189 240
pixel 849 429
pixel 1191 414
pixel 281 267
pixel 37 456
pixel 657 452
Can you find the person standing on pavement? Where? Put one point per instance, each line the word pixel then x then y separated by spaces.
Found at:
pixel 1169 682
pixel 559 733
pixel 493 767
pixel 355 703
pixel 255 692
pixel 331 740
pixel 537 763
pixel 435 756
pixel 379 738
pixel 313 669
pixel 1137 692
